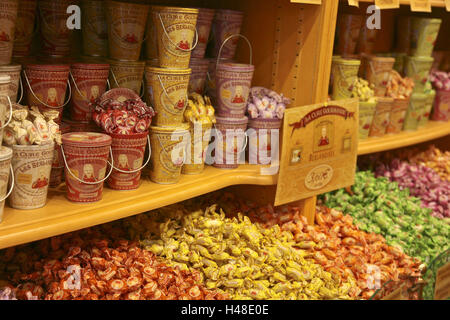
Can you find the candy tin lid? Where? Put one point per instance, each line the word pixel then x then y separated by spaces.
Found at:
pixel 119 94
pixel 5 153
pixel 86 139
pixel 181 129
pixel 231 121
pixel 5 79
pixel 168 71
pixel 125 63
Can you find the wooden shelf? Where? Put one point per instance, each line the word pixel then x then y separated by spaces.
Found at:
pixel 61 216
pixel 432 130
pixel 434 3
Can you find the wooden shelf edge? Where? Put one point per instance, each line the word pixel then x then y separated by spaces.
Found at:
pixel 434 3
pixel 431 131
pixel 61 216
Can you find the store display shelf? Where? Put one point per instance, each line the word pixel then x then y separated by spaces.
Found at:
pixel 61 216
pixel 434 3
pixel 431 131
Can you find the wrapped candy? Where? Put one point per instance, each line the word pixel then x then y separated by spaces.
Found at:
pixel 398 87
pixel 266 104
pixel 199 110
pixel 440 80
pixel 362 90
pixel 40 124
pixel 53 127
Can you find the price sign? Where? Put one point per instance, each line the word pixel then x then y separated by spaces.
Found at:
pixel 442 286
pixel 319 150
pixel 421 5
pixel 354 3
pixel 387 4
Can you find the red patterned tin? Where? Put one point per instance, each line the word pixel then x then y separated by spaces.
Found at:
pixel 87 160
pixel 128 152
pixel 56 176
pixel 88 83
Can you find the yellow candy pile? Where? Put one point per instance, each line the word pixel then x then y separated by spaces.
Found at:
pixel 238 257
pixel 199 109
pixel 362 90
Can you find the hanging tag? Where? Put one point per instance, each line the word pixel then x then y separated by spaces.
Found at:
pixel 421 5
pixel 387 4
pixel 447 5
pixel 354 3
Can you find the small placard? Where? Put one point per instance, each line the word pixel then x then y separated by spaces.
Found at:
pixel 354 3
pixel 442 285
pixel 421 5
pixel 319 151
pixel 387 4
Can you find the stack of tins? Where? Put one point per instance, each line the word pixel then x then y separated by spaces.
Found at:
pixel 172 37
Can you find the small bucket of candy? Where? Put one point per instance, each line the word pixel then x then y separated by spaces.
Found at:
pixel 378 71
pixel 5 174
pixel 204 22
pixel 233 83
pixel 14 72
pixel 366 115
pixel 128 151
pixel 168 147
pixel 231 142
pixel 424 33
pixel 46 85
pixel 167 91
pixel 211 79
pixel 415 110
pixel 127 74
pixel 94 28
pixel 32 165
pixel 225 24
pixel 89 83
pixel 345 74
pixel 418 68
pixel 126 27
pixel 25 28
pixel 176 34
pixel 8 20
pixel 381 117
pixel 85 156
pixel 197 80
pixel 57 173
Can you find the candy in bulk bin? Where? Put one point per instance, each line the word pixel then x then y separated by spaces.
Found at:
pixel 204 22
pixel 425 116
pixel 435 159
pixel 127 74
pixel 57 173
pixel 377 73
pixel 85 157
pixel 25 28
pixel 345 74
pixel 424 33
pixel 126 118
pixel 176 34
pixel 367 106
pixel 231 142
pixel 381 117
pixel 197 80
pixel 32 136
pixel 168 147
pixel 5 175
pixel 7 22
pixel 418 68
pixel 167 91
pixel 45 86
pixel 416 108
pixel 88 83
pixel 14 72
pixel 265 110
pixel 56 36
pixel 94 28
pixel 441 82
pixel 200 115
pixel 225 24
pixel 126 27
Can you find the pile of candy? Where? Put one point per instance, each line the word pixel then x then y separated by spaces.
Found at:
pixel 435 159
pixel 241 258
pixel 362 90
pixel 266 104
pixel 127 117
pixel 380 206
pixel 199 110
pixel 422 182
pixel 28 126
pixel 7 294
pixel 398 87
pixel 440 80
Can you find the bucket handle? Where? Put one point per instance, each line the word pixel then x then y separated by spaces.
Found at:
pixel 167 153
pixel 12 184
pixel 10 113
pixel 230 37
pixel 21 90
pixel 40 101
pixel 143 166
pixel 141 95
pixel 245 144
pixel 167 95
pixel 85 182
pixel 174 44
